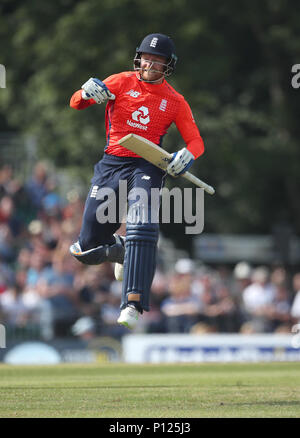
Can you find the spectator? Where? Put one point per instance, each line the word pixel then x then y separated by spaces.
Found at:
pixel 109 312
pixel 181 308
pixel 84 328
pixel 295 310
pixel 218 309
pixel 280 313
pixel 37 266
pixel 19 306
pixel 241 279
pixel 36 186
pixel 6 178
pixel 13 308
pixel 7 244
pixel 7 276
pixel 41 284
pixel 52 202
pixel 154 320
pixel 23 258
pixel 90 290
pixel 59 301
pixel 8 217
pixel 257 301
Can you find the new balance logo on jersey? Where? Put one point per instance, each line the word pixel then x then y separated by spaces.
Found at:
pixel 163 105
pixel 153 42
pixel 94 192
pixel 133 93
pixel 141 115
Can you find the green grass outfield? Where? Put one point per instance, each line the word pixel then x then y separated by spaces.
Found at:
pixel 266 390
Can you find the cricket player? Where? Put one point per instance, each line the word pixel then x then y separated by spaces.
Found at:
pixel 144 103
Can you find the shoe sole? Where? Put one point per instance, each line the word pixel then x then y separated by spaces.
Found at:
pixel 125 324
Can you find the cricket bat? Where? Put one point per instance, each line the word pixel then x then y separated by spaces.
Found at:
pixel 158 156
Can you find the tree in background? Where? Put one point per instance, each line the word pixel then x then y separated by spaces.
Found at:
pixel 234 66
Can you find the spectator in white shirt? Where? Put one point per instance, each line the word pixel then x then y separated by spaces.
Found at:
pixel 257 301
pixel 295 311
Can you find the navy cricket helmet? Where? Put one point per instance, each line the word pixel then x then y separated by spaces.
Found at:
pixel 157 44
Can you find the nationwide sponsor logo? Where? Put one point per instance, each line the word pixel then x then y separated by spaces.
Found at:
pixel 136 125
pixel 140 117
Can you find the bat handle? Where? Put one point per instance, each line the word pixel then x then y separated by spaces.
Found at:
pixel 209 189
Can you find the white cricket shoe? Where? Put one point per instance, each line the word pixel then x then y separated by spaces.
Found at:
pixel 129 317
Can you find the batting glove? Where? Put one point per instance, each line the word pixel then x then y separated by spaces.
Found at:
pixel 97 90
pixel 181 161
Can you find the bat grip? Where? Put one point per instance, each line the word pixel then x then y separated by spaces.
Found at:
pixel 209 189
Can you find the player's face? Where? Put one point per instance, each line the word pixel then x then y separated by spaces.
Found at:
pixel 152 67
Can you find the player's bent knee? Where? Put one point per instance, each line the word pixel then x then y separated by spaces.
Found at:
pixel 142 232
pixel 95 256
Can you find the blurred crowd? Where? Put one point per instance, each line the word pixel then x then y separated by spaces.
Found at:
pixel 45 291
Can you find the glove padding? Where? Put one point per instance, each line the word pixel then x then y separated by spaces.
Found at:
pixel 181 161
pixel 97 90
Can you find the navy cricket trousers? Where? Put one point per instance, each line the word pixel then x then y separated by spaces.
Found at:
pixel 108 172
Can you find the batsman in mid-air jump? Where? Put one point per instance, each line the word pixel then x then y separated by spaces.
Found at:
pixel 140 102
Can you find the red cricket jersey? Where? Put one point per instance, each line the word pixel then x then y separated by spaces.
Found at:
pixel 144 109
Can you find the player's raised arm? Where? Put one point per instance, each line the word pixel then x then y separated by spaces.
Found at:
pixel 92 91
